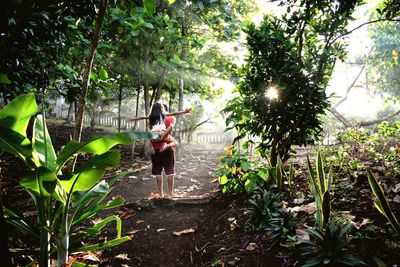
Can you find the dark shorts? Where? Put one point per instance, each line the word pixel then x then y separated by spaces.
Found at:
pixel 164 160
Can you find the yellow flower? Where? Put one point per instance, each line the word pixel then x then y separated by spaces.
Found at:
pixel 230 149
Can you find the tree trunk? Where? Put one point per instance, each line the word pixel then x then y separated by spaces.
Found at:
pixel 119 107
pixel 135 124
pixel 88 69
pixel 146 79
pixel 69 113
pixel 160 84
pixel 180 107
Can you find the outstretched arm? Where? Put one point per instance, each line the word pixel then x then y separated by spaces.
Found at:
pixel 129 119
pixel 187 110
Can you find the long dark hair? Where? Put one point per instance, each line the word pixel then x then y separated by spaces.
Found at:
pixel 156 114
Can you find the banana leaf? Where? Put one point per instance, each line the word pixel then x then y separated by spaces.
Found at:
pixel 16 114
pixel 43 151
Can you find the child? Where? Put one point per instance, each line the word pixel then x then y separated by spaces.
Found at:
pixel 162 124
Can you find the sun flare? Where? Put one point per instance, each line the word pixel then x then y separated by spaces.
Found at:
pixel 271 93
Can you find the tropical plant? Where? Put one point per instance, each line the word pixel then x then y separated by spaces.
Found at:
pixel 329 247
pixel 265 207
pixel 282 230
pixel 320 185
pixel 63 198
pixel 381 202
pixel 239 174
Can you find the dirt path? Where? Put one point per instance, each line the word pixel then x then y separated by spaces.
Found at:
pixel 199 229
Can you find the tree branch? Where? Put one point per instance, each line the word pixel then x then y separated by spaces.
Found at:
pixel 350 87
pixel 347 124
pixel 360 26
pixel 369 123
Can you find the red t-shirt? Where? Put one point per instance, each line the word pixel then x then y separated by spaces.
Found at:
pixel 168 121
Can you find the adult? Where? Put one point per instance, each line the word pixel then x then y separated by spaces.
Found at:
pixel 163 158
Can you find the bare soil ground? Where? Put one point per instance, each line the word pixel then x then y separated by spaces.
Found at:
pixel 201 227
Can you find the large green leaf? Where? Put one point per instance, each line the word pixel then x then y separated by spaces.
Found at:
pixel 326 207
pixel 381 202
pixel 43 151
pixel 89 213
pixel 82 198
pixel 43 182
pixel 103 161
pixel 149 6
pixel 15 143
pixel 321 181
pixel 4 79
pixel 82 181
pixel 16 114
pixel 97 145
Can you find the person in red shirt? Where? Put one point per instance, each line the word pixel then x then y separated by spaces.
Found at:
pixel 163 157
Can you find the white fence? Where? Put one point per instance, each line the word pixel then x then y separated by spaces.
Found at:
pixel 202 137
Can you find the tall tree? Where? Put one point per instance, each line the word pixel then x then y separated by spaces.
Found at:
pixel 281 96
pixel 89 65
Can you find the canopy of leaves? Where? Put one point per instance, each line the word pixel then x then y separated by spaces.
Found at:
pixel 383 64
pixel 296 55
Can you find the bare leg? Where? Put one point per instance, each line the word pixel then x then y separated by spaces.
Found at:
pixel 170 179
pixel 159 180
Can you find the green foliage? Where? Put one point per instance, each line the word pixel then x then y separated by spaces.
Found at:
pixel 295 55
pixel 381 202
pixel 239 174
pixel 265 208
pixel 383 62
pixel 43 31
pixel 329 247
pixel 361 147
pixel 62 198
pixel 320 185
pixel 282 230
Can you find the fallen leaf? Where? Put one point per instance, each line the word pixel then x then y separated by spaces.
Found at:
pixel 234 225
pixel 96 220
pixel 309 208
pixel 251 246
pixel 231 219
pixel 194 181
pixel 29 213
pixel 186 231
pixel 123 256
pixel 132 232
pixel 396 199
pixel 125 214
pixel 346 214
pixel 91 257
pixel 396 188
pixel 302 235
pixel 361 223
pixel 139 221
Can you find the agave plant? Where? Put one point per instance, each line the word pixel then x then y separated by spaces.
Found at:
pixel 328 247
pixel 320 186
pixel 282 230
pixel 63 199
pixel 381 202
pixel 265 206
